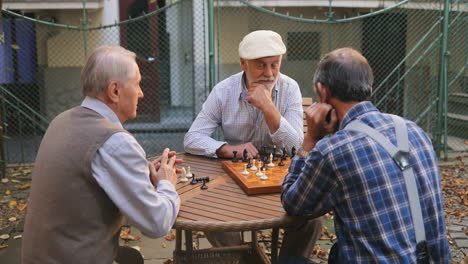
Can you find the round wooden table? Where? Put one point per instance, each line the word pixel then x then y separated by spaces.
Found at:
pixel 224 207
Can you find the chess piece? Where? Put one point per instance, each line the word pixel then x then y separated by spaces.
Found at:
pixel 249 165
pixel 245 156
pixel 194 180
pixel 275 158
pixel 234 158
pixel 281 162
pixel 245 172
pixel 264 165
pixel 184 175
pixel 189 173
pixel 293 152
pixel 263 177
pixel 271 164
pixel 204 187
pixel 285 154
pixel 259 172
pixel 254 168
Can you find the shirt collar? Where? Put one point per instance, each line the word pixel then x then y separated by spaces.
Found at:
pixel 243 88
pixel 101 108
pixel 356 111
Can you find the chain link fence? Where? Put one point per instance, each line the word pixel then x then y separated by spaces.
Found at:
pixel 403 41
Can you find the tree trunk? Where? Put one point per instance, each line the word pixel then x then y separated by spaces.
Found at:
pixel 2 156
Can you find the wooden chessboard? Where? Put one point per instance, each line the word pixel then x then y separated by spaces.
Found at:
pixel 251 184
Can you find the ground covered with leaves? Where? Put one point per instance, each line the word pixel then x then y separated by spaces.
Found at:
pixel 15 186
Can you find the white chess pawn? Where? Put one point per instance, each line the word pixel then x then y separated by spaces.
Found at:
pixel 264 177
pixel 253 165
pixel 259 172
pixel 271 164
pixel 189 173
pixel 184 175
pixel 245 172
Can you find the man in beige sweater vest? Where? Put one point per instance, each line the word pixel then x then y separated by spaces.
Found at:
pixel 90 172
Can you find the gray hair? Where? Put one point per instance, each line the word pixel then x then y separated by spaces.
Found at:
pixel 347 74
pixel 105 64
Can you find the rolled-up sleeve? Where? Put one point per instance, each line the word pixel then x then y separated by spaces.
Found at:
pixel 121 169
pixel 291 130
pixel 198 139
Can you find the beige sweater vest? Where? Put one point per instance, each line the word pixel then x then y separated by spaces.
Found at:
pixel 70 219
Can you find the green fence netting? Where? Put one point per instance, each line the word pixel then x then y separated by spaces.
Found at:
pixel 417 49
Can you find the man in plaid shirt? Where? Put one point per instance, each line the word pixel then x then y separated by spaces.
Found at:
pixel 352 175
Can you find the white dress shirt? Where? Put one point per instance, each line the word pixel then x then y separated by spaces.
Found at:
pixel 121 169
pixel 227 107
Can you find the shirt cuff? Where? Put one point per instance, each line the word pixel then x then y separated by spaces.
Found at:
pixel 280 129
pixel 216 146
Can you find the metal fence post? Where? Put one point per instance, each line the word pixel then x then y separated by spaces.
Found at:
pixel 442 127
pixel 84 22
pixel 211 50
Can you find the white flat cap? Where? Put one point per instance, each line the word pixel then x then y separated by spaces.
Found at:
pixel 261 43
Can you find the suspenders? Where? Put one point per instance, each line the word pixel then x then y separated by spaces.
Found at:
pixel 400 155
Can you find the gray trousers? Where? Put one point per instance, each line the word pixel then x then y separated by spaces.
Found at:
pixel 297 241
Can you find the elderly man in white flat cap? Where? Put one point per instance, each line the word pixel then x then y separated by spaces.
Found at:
pixel 257 109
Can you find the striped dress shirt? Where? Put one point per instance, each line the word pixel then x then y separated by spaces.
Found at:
pixel 241 122
pixel 353 176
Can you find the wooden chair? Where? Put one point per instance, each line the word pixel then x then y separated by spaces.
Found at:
pixel 306 102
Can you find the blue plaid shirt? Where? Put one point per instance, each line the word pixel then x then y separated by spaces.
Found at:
pixel 353 176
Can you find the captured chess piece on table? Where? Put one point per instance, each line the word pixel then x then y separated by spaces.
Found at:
pixel 293 152
pixel 189 173
pixel 184 175
pixel 194 180
pixel 234 158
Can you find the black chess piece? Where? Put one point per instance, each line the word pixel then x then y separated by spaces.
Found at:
pixel 264 167
pixel 249 165
pixel 234 159
pixel 281 162
pixel 244 156
pixel 266 159
pixel 293 152
pixel 275 158
pixel 285 154
pixel 194 180
pixel 204 187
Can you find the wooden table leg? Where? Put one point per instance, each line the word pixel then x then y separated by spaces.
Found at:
pixel 189 246
pixel 274 245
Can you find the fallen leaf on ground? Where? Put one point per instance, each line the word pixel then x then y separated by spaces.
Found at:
pixel 7 192
pixel 3 246
pixel 21 206
pixel 18 236
pixel 168 261
pixel 5 180
pixel 163 244
pixel 5 236
pixel 12 204
pixel 15 181
pixel 24 186
pixel 12 219
pixel 171 236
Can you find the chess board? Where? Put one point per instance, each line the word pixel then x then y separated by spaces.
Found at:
pixel 251 184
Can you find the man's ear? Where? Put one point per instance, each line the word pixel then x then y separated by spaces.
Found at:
pixel 243 64
pixel 113 91
pixel 323 92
